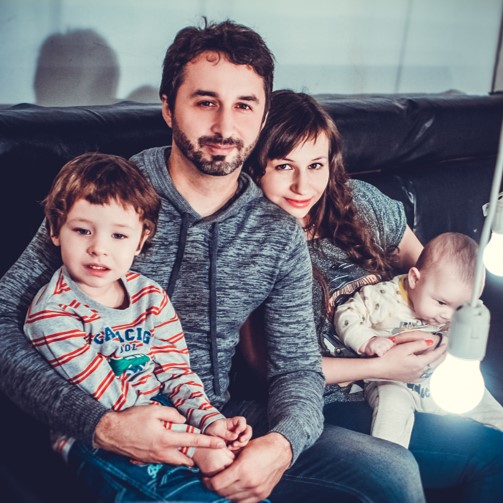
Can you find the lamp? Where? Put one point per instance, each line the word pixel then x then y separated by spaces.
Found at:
pixel 493 254
pixel 457 384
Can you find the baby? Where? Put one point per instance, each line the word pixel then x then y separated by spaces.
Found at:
pixel 424 299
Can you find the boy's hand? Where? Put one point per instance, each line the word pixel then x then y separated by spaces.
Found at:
pixel 212 461
pixel 233 430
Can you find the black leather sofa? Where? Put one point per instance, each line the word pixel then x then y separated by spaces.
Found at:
pixel 436 153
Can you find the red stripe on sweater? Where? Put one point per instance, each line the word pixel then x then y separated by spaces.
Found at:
pixel 68 357
pixel 82 376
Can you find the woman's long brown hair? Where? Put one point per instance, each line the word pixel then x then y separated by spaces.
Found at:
pixel 293 119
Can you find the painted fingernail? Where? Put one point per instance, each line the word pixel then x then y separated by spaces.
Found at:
pixel 429 342
pixel 392 339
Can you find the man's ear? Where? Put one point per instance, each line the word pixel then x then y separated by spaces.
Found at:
pixel 166 112
pixel 413 277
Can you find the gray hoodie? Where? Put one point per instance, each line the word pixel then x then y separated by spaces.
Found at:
pixel 216 270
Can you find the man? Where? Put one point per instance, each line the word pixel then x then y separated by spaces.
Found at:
pixel 221 251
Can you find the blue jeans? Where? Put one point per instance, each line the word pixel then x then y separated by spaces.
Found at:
pixel 342 466
pixel 452 452
pixel 114 478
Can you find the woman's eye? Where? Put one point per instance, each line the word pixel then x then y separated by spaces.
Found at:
pixel 282 167
pixel 316 165
pixel 117 235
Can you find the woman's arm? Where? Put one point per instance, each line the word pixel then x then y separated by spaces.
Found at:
pixel 404 362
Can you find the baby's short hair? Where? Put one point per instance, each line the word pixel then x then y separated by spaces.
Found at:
pixel 100 179
pixel 454 248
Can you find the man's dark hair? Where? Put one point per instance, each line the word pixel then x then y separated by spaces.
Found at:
pixel 239 44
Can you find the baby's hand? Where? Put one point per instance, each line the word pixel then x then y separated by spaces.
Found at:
pixel 233 430
pixel 212 461
pixel 378 345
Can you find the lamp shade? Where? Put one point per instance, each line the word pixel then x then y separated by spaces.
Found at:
pixel 457 385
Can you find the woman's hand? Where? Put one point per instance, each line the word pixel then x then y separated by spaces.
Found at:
pixel 415 335
pixel 410 357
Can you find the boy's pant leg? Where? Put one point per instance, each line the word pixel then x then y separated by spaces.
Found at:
pixel 114 478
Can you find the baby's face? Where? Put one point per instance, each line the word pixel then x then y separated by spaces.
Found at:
pixel 438 293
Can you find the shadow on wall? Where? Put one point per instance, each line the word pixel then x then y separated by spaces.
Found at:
pixel 76 68
pixel 144 94
pixel 80 68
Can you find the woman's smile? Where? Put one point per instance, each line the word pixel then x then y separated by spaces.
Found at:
pixel 298 203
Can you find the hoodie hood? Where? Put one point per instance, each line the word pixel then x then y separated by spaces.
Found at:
pixel 160 178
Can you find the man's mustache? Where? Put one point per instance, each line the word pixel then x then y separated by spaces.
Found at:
pixel 219 140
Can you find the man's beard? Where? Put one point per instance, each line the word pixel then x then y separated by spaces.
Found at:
pixel 216 165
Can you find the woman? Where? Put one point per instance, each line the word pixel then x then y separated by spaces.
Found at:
pixel 357 235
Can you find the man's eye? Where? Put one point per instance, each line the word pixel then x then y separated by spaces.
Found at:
pixel 206 103
pixel 244 106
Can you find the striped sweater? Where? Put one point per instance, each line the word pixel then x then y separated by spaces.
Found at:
pixel 121 357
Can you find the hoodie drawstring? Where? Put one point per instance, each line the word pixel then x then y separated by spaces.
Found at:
pixel 182 240
pixel 213 308
pixel 213 251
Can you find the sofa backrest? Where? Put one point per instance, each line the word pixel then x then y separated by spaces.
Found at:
pixel 436 153
pixel 36 141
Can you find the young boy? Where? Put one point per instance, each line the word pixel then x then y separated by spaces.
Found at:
pixel 424 299
pixel 109 330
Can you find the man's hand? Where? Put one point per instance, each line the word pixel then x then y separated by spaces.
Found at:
pixel 255 472
pixel 138 433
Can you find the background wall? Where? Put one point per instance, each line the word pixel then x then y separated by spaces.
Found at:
pixel 100 51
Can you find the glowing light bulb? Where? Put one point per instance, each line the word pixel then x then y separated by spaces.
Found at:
pixel 457 384
pixel 493 254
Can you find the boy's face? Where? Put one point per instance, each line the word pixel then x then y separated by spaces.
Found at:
pixel 99 243
pixel 218 114
pixel 437 292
